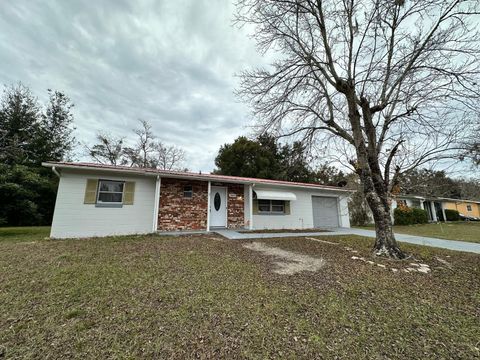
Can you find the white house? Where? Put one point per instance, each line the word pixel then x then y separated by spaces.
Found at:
pixel 102 200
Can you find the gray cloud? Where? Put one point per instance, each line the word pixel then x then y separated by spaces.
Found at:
pixel 169 62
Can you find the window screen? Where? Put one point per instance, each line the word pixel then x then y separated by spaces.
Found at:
pixel 271 206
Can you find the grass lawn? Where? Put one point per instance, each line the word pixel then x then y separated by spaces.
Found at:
pixel 202 296
pixel 464 230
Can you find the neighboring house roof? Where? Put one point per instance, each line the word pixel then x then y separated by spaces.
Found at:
pixel 187 175
pixel 433 198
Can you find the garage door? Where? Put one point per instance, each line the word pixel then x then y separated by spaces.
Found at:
pixel 325 211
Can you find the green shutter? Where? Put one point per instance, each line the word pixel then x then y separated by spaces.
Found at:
pixel 287 207
pixel 128 193
pixel 255 207
pixel 91 191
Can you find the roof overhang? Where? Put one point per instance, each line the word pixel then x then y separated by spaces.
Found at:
pixel 275 195
pixel 192 176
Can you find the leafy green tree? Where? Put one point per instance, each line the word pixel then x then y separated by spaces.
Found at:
pixel 25 195
pixel 265 158
pixel 54 137
pixel 330 175
pixel 250 158
pixel 19 123
pixel 29 134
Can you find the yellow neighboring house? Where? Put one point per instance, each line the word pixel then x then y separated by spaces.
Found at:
pixel 436 206
pixel 464 207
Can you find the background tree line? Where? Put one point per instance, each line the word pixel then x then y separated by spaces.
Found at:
pixel 31 132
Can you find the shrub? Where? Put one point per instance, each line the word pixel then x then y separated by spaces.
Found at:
pixel 409 216
pixel 420 216
pixel 452 215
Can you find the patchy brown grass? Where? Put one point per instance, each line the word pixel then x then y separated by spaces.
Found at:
pixel 205 297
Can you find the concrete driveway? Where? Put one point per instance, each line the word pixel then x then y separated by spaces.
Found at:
pixel 418 240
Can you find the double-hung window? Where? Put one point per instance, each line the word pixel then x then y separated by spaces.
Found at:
pixel 469 207
pixel 271 206
pixel 110 192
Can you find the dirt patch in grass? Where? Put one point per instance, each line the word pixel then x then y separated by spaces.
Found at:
pixel 288 262
pixel 276 231
pixel 201 297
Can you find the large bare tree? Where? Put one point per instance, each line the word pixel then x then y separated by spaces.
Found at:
pixel 393 84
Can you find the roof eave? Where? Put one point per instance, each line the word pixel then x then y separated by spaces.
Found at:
pixel 205 177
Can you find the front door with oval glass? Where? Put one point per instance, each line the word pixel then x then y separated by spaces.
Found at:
pixel 218 206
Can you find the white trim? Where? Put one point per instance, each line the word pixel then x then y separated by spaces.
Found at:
pixel 226 206
pixel 250 207
pixel 208 205
pixel 156 204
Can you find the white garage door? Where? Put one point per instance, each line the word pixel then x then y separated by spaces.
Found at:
pixel 325 211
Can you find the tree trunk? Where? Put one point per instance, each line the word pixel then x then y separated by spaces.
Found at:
pixel 385 243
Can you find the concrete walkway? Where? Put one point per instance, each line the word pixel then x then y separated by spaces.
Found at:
pixel 418 240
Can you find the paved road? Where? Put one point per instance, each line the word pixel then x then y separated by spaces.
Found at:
pixel 419 240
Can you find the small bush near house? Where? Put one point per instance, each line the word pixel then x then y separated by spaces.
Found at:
pixel 452 215
pixel 409 216
pixel 420 216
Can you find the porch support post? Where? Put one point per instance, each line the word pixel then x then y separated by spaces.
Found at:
pixel 157 203
pixel 250 207
pixel 443 212
pixel 434 211
pixel 208 205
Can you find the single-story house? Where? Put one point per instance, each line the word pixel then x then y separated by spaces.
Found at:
pixel 102 200
pixel 436 206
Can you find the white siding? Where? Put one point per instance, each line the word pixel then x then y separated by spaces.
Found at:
pixel 301 210
pixel 344 214
pixel 74 219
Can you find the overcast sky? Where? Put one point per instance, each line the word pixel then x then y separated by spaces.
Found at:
pixel 172 63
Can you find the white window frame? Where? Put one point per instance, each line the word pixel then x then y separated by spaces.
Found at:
pixel 110 192
pixel 271 211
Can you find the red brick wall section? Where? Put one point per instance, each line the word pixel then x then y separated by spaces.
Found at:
pixel 235 211
pixel 179 213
